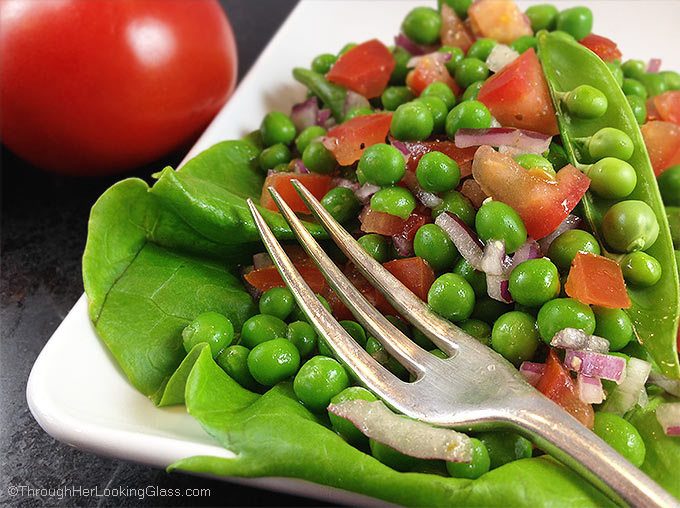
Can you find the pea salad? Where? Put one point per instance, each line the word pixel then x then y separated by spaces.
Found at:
pixel 511 168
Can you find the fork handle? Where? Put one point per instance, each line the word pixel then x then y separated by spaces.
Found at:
pixel 558 433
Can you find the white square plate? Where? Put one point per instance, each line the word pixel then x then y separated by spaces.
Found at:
pixel 76 391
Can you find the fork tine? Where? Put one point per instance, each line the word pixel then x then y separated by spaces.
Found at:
pixel 403 349
pixel 448 337
pixel 372 375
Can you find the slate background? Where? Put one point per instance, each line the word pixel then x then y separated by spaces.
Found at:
pixel 43 230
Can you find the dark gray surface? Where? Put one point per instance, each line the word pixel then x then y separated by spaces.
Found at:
pixel 44 225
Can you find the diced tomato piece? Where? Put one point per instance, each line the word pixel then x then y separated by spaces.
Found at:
pixel 267 278
pixel 663 144
pixel 652 112
pixel 348 140
pixel 454 32
pixel 408 231
pixel 429 70
pixel 501 20
pixel 665 107
pixel 463 156
pixel 318 185
pixel 597 280
pixel 380 222
pixel 543 204
pixel 366 68
pixel 556 384
pixel 518 96
pixel 605 48
pixel 414 273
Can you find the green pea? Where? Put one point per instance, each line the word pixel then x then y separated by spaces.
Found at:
pixel 534 282
pixel 481 48
pixel 515 337
pixel 654 83
pixel 542 17
pixel 641 269
pixel 346 48
pixel 586 101
pixel 489 310
pixel 401 59
pixel 620 435
pixel 307 136
pixel 639 108
pixel 422 25
pixel 358 111
pixel 437 172
pixel 576 21
pixel 377 351
pixel 412 122
pixel 564 248
pixel 262 328
pixel 478 329
pixel 344 427
pixel 614 325
pixel 278 302
pixel 498 221
pixel 476 278
pixel 395 96
pixel 274 155
pixel 630 225
pixel 319 379
pixel 382 164
pixel 456 56
pixel 441 91
pixel 633 69
pixel 234 361
pixel 376 245
pixel 672 79
pixel 355 330
pixel 452 297
pixel 433 245
pixel 504 447
pixel 634 87
pixel 342 204
pixel 277 127
pixel 524 43
pixel 210 327
pixel 454 202
pixel 323 63
pixel 612 178
pixel 303 336
pixel 610 142
pixel 470 70
pixel 669 185
pixel 468 114
pixel 438 110
pixel 530 160
pixel 479 464
pixel 459 6
pixel 562 313
pixel 299 315
pixel 273 361
pixel 616 71
pixel 395 201
pixel 318 159
pixel 421 339
pixel 557 156
pixel 471 93
pixel 281 168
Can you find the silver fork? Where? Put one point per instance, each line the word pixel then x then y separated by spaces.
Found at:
pixel 473 389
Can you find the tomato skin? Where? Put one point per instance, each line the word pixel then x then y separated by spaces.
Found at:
pixel 556 384
pixel 605 48
pixel 454 31
pixel 99 87
pixel 518 96
pixel 366 69
pixel 662 140
pixel 430 70
pixel 318 185
pixel 348 140
pixel 267 278
pixel 501 20
pixel 665 107
pixel 597 280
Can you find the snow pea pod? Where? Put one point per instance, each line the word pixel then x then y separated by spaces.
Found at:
pixel 331 94
pixel 654 310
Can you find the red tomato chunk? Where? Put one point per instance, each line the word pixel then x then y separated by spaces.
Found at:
pixel 365 69
pixel 605 48
pixel 597 280
pixel 318 185
pixel 663 144
pixel 348 140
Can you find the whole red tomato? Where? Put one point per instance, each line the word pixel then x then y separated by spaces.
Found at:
pixel 96 87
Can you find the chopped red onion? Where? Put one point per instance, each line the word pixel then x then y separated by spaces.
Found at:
pixel 440 56
pixel 529 250
pixel 495 124
pixel 643 398
pixel 627 394
pixel 571 221
pixel 471 190
pixel 497 288
pixel 668 416
pixel 465 239
pixel 596 364
pixel 573 338
pixel 305 114
pixel 532 372
pixel 500 56
pixel 529 141
pixel 404 42
pixel 404 246
pixel 401 146
pixel 654 65
pixel 355 100
pixel 494 260
pixel 347 184
pixel 671 386
pixel 365 192
pixel 324 119
pixel 411 437
pixel 262 260
pixel 589 389
pixel 299 167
